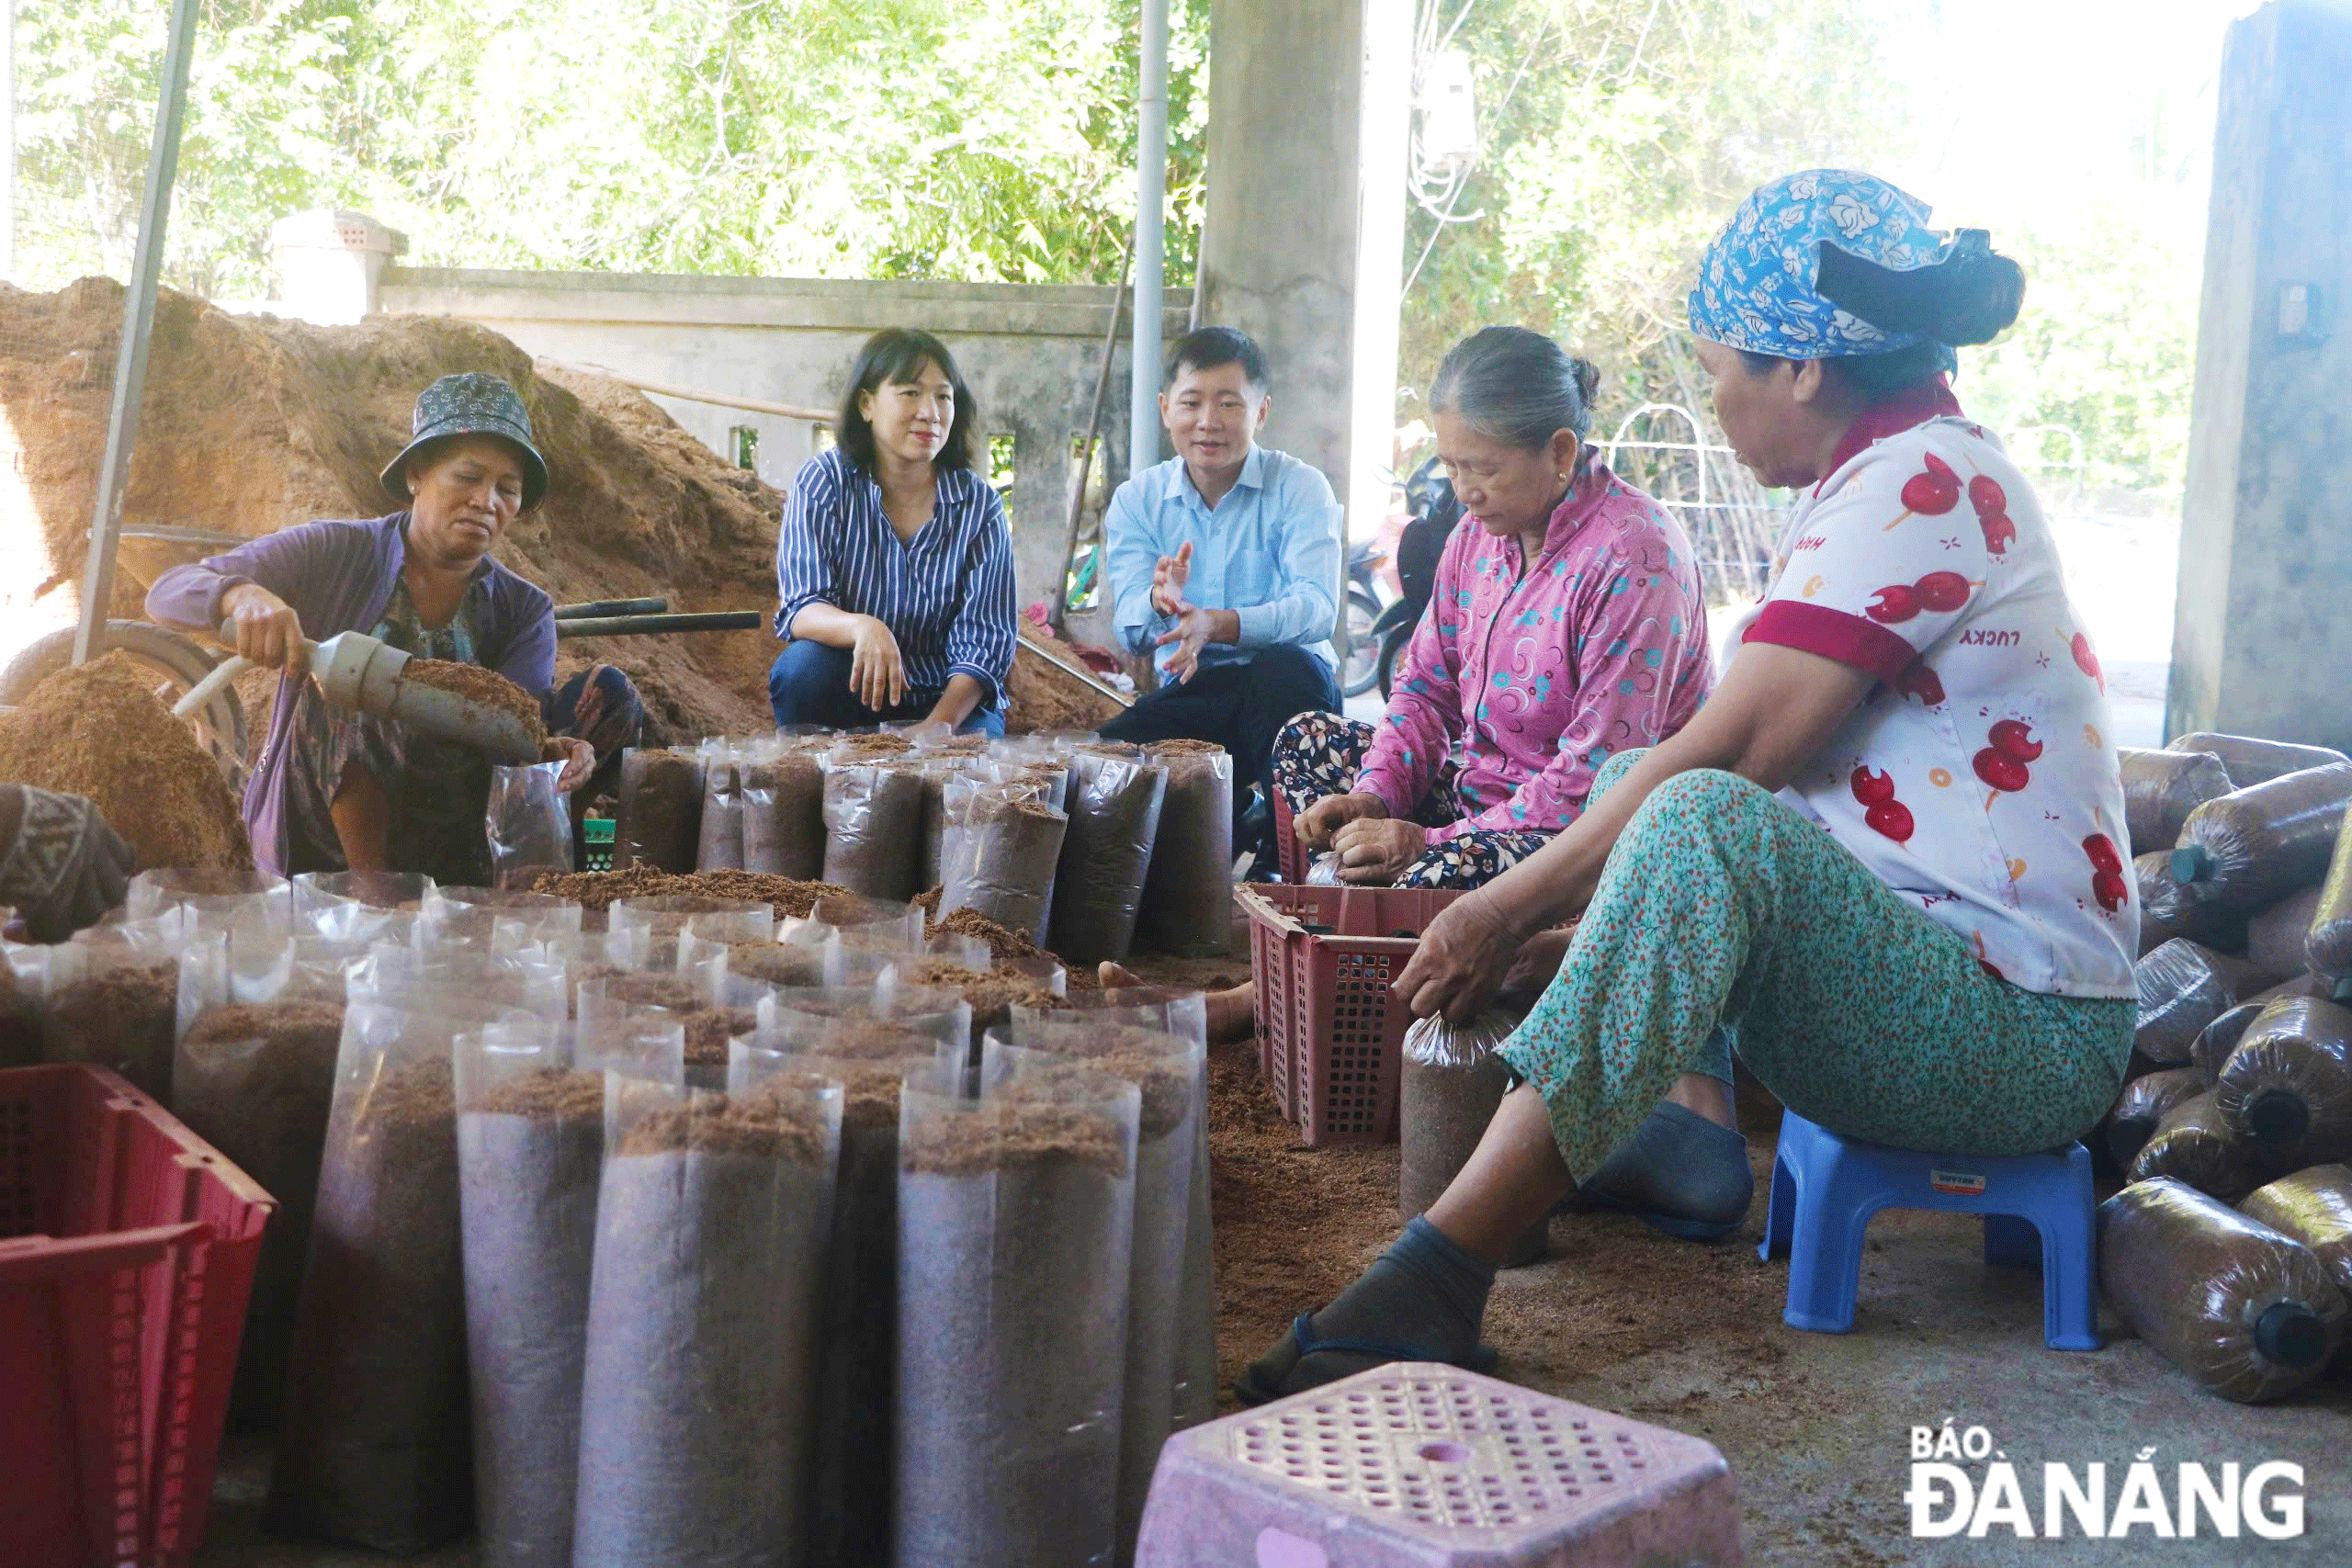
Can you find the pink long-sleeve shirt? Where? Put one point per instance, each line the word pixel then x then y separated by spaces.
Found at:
pixel 1542 674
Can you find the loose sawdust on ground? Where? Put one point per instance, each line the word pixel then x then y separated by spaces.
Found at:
pixel 1296 1225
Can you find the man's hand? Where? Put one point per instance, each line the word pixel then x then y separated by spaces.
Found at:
pixel 1375 849
pixel 1170 574
pixel 1195 630
pixel 877 673
pixel 267 629
pixel 578 757
pixel 65 867
pixel 1315 825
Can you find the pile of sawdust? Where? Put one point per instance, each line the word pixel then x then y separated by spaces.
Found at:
pixel 267 423
pixel 100 731
pixel 256 423
pixel 1048 691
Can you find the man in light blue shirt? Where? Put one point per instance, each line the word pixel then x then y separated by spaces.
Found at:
pixel 1223 563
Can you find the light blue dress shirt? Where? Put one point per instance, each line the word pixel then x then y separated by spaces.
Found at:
pixel 1269 551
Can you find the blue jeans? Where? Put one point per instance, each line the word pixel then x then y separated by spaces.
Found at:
pixel 809 684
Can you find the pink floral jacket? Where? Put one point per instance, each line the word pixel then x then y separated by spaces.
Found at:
pixel 1541 677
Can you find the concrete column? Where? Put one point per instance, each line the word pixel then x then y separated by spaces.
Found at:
pixel 2261 633
pixel 1303 244
pixel 329 264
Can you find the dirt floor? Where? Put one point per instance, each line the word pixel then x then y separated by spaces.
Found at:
pixel 1689 1336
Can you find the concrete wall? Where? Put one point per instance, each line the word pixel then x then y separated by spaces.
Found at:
pixel 1030 352
pixel 2261 638
pixel 1302 244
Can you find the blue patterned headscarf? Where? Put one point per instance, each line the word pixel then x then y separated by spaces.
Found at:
pixel 1758 285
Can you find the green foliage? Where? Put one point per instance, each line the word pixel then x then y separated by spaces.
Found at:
pixel 1636 128
pixel 1633 133
pixel 993 139
pixel 2105 350
pixel 831 137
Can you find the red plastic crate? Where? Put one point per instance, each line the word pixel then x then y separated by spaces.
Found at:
pixel 1290 855
pixel 127 1254
pixel 1331 1038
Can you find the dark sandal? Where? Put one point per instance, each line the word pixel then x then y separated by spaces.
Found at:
pixel 1252 1388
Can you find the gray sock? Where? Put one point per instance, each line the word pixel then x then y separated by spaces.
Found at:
pixel 1679 1165
pixel 1423 1294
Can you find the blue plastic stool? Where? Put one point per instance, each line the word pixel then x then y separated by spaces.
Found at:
pixel 1826 1188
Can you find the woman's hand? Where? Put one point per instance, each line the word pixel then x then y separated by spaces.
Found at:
pixel 1315 825
pixel 578 759
pixel 1375 849
pixel 1539 960
pixel 265 629
pixel 1460 964
pixel 877 672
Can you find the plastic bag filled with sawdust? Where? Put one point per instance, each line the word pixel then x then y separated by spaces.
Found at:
pixel 2248 1312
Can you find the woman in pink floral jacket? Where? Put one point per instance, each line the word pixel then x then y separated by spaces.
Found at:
pixel 1566 625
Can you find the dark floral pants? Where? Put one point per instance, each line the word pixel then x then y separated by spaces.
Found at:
pixel 1319 754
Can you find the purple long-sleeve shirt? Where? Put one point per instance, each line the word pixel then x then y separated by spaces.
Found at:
pixel 338 576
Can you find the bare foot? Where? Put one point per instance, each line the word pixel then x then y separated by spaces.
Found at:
pixel 1229 1010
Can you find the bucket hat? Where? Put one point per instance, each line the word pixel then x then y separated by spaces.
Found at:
pixel 473 402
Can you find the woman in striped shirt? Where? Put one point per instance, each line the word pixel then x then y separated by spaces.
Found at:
pixel 894 566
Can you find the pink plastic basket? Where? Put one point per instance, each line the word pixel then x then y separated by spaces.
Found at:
pixel 127 1254
pixel 1329 1035
pixel 1290 855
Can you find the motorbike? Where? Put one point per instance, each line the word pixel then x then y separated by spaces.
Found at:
pixel 1434 510
pixel 1366 604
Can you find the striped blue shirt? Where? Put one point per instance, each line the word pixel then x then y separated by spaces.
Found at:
pixel 946 594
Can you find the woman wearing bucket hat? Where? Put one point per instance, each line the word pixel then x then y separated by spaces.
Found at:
pixel 335 791
pixel 1885 854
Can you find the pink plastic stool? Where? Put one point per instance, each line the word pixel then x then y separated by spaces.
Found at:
pixel 1419 1465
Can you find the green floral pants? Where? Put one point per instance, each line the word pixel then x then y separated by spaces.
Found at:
pixel 1856 1009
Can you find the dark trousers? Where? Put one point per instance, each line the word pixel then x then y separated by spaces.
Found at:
pixel 1240 707
pixel 809 684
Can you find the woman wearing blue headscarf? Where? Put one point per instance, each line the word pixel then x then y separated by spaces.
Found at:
pixel 1884 858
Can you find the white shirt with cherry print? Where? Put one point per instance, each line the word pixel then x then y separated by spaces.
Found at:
pixel 1978 776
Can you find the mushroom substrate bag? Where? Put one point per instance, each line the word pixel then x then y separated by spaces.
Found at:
pixel 874 814
pixel 659 820
pixel 2248 1312
pixel 2184 985
pixel 2195 1147
pixel 375 1446
pixel 2315 1207
pixel 711 1218
pixel 2161 788
pixel 1015 1223
pixel 254 1078
pixel 1113 820
pixel 2254 846
pixel 2253 760
pixel 1449 1086
pixel 530 1154
pixel 2288 1086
